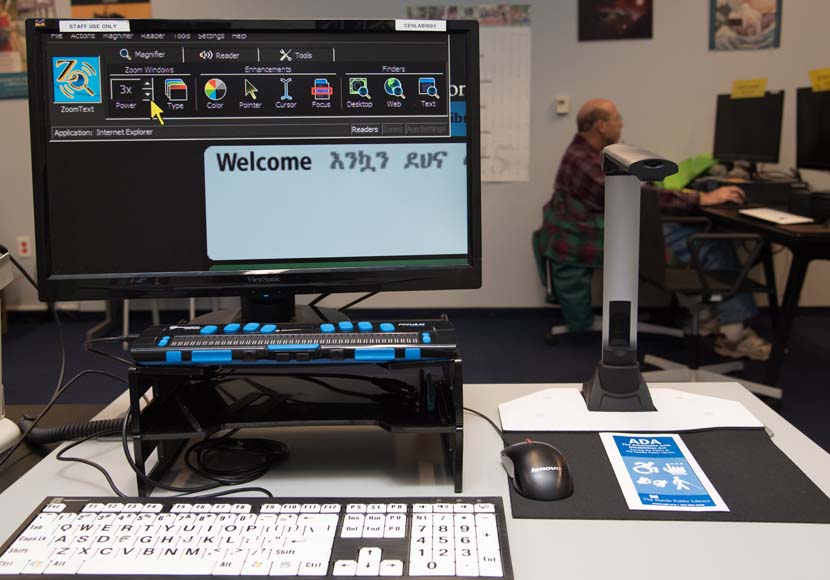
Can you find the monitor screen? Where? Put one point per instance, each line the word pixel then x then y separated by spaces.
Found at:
pixel 187 158
pixel 749 129
pixel 813 129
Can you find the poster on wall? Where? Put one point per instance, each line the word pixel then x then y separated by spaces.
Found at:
pixel 13 15
pixel 111 9
pixel 745 24
pixel 504 46
pixel 615 19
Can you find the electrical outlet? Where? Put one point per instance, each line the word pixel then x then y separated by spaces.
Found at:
pixel 24 246
pixel 563 105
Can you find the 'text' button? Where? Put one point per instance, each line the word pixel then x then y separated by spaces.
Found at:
pixel 387 327
pixel 231 328
pixel 326 327
pixel 209 329
pixel 364 326
pixel 251 327
pixel 345 326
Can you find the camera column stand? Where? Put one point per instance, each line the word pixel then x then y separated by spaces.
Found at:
pixel 194 402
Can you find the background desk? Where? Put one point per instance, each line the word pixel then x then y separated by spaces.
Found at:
pixel 807 242
pixel 367 463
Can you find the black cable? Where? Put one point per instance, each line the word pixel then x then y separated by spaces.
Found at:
pixel 61 456
pixel 5 456
pixel 5 250
pixel 182 490
pixel 317 300
pixel 205 458
pixel 357 301
pixel 123 338
pixel 492 424
pixel 70 431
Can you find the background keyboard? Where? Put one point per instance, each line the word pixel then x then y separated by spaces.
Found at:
pixel 241 343
pixel 331 538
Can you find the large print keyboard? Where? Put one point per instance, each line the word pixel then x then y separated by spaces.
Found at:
pixel 267 343
pixel 330 538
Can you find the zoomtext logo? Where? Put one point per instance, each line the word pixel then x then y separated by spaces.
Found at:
pixel 76 79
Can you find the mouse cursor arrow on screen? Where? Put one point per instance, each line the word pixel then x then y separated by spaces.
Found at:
pixel 250 89
pixel 155 112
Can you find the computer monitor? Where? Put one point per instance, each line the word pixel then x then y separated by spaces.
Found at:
pixel 254 158
pixel 813 129
pixel 749 129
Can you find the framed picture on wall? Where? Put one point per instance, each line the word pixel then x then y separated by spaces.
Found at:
pixel 615 19
pixel 745 24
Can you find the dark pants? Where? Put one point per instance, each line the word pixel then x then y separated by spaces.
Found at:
pixel 572 286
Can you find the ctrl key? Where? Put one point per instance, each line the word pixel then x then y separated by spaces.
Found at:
pixel 16 565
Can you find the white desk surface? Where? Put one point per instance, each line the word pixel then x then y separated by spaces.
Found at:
pixel 368 462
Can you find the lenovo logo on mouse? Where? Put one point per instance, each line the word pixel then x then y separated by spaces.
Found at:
pixel 546 468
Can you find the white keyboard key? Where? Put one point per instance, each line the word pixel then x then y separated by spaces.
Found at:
pixel 220 508
pixel 270 508
pixel 246 519
pixel 240 508
pixel 352 526
pixel 132 508
pixel 285 566
pixel 422 508
pixel 228 568
pixel 93 507
pixel 35 567
pixel 287 519
pixel 368 562
pixel 152 508
pixel 463 508
pixel 63 567
pixel 330 508
pixel 442 508
pixel 489 564
pixel 53 508
pixel 374 525
pixel 224 519
pixel 466 567
pixel 13 565
pixel 201 508
pixel 317 567
pixel 395 526
pixel 310 508
pixel 356 508
pixel 398 508
pixel 341 568
pixel 181 508
pixel 258 563
pixel 485 508
pixel 290 508
pixel 113 507
pixel 376 508
pixel 391 568
pixel 431 568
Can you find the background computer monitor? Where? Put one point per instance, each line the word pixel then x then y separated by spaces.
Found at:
pixel 749 129
pixel 813 129
pixel 289 157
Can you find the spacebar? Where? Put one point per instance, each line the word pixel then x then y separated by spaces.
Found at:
pixel 150 566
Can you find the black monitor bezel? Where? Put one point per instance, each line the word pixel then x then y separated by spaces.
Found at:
pixel 799 153
pixel 192 284
pixel 773 96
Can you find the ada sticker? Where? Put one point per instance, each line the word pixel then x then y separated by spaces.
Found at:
pixel 657 472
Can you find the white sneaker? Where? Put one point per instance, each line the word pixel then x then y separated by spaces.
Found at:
pixel 749 345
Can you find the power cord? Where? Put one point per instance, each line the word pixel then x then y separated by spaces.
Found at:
pixel 123 338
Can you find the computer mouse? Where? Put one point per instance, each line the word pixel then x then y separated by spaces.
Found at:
pixel 538 470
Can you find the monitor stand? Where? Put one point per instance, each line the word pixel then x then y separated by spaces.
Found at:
pixel 272 307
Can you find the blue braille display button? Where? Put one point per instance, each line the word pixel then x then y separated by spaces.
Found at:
pixel 251 327
pixel 173 356
pixel 374 354
pixel 231 328
pixel 164 341
pixel 426 338
pixel 412 354
pixel 387 327
pixel 211 356
pixel 326 328
pixel 268 328
pixel 364 326
pixel 345 326
pixel 209 329
pixel 293 347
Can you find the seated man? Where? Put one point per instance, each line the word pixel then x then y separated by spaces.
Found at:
pixel 574 224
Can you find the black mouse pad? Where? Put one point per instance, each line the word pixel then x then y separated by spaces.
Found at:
pixel 755 478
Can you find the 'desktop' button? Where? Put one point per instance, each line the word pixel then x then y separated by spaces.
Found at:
pixel 231 328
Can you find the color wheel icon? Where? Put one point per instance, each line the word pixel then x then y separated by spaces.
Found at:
pixel 215 89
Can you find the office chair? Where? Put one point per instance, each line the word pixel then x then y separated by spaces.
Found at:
pixel 700 288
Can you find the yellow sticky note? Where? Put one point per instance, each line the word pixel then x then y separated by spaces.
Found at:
pixel 820 79
pixel 749 89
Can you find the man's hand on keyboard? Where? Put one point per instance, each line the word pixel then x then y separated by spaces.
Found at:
pixel 726 194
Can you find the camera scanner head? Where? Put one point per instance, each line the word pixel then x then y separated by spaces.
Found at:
pixel 621 159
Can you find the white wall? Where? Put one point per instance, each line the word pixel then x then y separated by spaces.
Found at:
pixel 664 87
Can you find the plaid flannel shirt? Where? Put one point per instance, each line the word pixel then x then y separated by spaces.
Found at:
pixel 574 221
